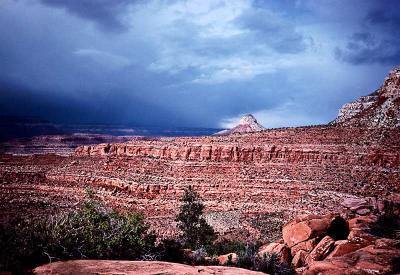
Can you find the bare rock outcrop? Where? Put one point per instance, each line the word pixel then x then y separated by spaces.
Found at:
pixel 247 124
pixel 334 245
pixel 134 268
pixel 379 109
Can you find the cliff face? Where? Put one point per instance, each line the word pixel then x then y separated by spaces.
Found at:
pixel 380 109
pixel 283 171
pixel 250 182
pixel 301 145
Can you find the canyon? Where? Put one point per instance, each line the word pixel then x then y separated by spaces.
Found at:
pixel 251 183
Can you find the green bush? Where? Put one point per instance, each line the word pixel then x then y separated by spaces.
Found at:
pixel 195 232
pixel 92 232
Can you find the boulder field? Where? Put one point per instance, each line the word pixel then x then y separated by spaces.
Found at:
pixel 312 244
pixel 348 243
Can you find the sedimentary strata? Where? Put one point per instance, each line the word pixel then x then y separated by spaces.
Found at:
pixel 251 183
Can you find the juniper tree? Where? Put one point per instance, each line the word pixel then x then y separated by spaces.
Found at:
pixel 195 231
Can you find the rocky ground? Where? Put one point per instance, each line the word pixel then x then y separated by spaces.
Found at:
pixel 135 268
pixel 351 242
pixel 250 183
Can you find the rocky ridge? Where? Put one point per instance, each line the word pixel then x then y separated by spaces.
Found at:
pixel 379 109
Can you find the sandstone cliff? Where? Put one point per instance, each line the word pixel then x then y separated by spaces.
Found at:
pixel 251 182
pixel 379 109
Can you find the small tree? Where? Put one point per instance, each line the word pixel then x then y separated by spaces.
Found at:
pixel 195 231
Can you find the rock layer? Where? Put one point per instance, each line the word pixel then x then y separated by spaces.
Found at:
pixel 250 183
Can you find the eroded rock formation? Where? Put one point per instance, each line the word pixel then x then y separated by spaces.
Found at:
pixel 251 183
pixel 346 243
pixel 247 124
pixel 379 109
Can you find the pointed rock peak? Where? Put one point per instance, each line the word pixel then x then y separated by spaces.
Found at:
pixel 247 124
pixel 247 119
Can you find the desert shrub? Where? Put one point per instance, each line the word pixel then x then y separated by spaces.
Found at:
pixel 99 233
pixel 195 231
pixel 20 245
pixel 92 232
pixel 271 264
pixel 247 256
pixel 223 246
pixel 199 256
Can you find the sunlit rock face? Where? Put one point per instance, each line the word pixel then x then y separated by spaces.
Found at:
pixel 247 124
pixel 379 109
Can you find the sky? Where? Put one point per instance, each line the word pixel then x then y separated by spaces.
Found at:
pixel 197 63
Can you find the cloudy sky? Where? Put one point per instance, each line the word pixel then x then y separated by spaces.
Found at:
pixel 199 63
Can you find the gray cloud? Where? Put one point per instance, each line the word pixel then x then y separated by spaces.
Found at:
pixel 274 31
pixel 107 14
pixel 379 40
pixel 186 63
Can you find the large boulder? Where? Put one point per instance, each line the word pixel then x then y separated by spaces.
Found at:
pixel 299 259
pixel 321 250
pixel 364 206
pixel 304 228
pixel 306 246
pixel 367 260
pixel 281 250
pixel 343 247
pixel 360 206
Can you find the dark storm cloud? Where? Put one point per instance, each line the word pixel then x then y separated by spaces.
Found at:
pixel 190 63
pixel 272 30
pixel 379 42
pixel 106 13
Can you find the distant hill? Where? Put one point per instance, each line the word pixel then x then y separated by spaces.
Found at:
pixel 20 127
pixel 247 124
